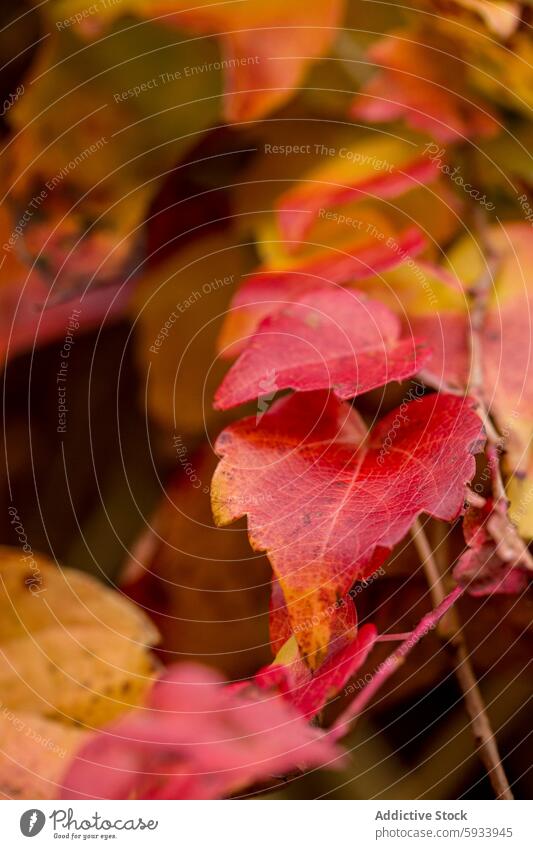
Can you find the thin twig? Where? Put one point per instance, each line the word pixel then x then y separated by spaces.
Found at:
pixel 480 296
pixel 391 664
pixel 450 630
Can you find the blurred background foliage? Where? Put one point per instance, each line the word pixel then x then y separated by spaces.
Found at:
pixel 191 203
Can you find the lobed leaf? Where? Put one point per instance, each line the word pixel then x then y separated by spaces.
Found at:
pixel 328 500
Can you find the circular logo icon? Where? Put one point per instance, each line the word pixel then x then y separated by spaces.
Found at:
pixel 32 822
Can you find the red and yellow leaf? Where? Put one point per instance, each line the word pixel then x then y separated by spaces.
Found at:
pixel 264 293
pixel 327 500
pixel 371 168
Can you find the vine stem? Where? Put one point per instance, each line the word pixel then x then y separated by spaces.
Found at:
pixel 443 615
pixel 479 295
pixel 450 631
pixel 344 722
pixel 391 664
pixel 506 537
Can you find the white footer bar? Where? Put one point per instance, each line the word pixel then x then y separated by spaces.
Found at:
pixel 264 824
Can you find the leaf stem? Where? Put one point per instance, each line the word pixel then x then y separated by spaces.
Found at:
pixel 391 664
pixel 450 630
pixel 392 638
pixel 480 295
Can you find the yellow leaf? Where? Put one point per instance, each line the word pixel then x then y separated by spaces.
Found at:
pixel 70 648
pixel 34 753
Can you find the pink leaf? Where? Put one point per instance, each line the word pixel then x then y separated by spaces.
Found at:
pixel 329 337
pixel 196 739
pixel 266 292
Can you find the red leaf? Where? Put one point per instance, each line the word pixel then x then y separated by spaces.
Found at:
pixel 196 739
pixel 505 346
pixel 341 266
pixel 31 317
pixel 266 292
pixel 495 561
pixel 347 651
pixel 343 618
pixel 309 691
pixel 329 337
pixel 327 500
pixel 298 207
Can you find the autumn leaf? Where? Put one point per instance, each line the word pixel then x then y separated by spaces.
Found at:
pixel 505 350
pixel 70 649
pixel 265 49
pixel 310 691
pixel 497 560
pixel 196 739
pixel 340 192
pixel 358 184
pixel 263 293
pixel 312 200
pixel 327 500
pixel 435 303
pixel 33 312
pixel 368 168
pixel 31 317
pixel 343 616
pixel 351 241
pixel 328 337
pixel 422 81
